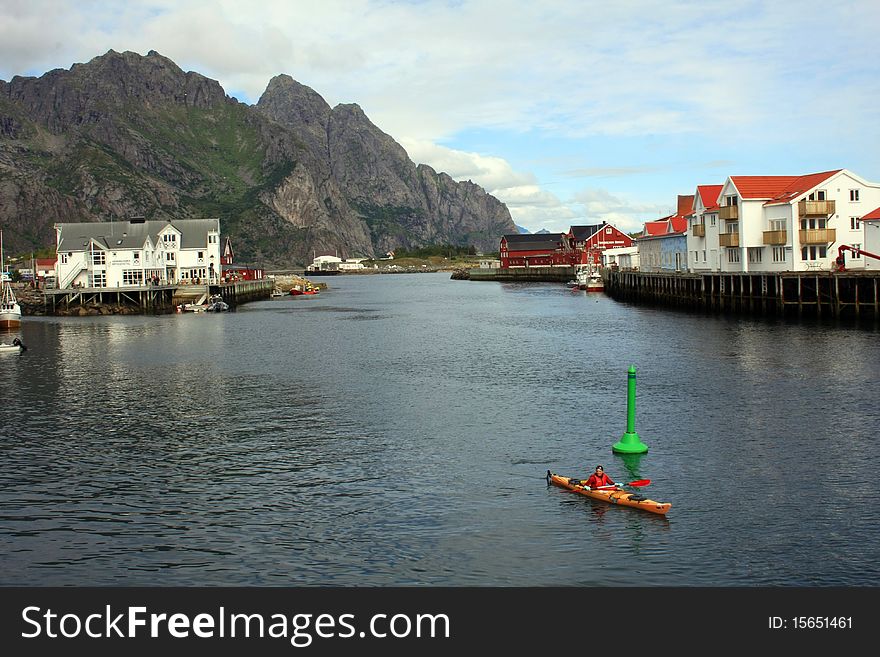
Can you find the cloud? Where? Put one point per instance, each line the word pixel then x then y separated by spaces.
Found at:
pixel 488 171
pixel 627 214
pixel 738 83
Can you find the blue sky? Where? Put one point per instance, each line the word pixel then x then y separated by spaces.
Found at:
pixel 568 111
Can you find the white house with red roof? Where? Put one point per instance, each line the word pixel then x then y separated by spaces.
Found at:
pixel 790 223
pixel 702 235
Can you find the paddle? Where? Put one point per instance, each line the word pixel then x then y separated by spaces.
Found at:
pixel 636 483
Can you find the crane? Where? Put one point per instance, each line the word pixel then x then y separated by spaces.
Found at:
pixel 856 252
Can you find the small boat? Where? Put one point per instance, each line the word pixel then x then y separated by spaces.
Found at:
pixel 590 280
pixel 295 291
pixel 611 495
pixel 10 310
pixel 16 347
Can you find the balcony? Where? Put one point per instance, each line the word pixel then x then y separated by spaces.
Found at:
pixel 775 237
pixel 817 235
pixel 728 212
pixel 728 239
pixel 698 230
pixel 816 208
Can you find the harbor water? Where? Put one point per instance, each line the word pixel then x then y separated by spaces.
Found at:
pixel 396 430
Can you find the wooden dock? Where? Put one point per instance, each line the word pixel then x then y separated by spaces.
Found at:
pixel 823 294
pixel 153 299
pixel 524 274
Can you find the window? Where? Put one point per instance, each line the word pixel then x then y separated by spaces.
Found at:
pixel 855 223
pixel 132 277
pixel 169 238
pixel 169 256
pixel 137 256
pixel 732 255
pixel 63 258
pixel 732 227
pixel 813 252
pixel 99 279
pixel 818 195
pixel 704 255
pixel 813 223
pixel 853 195
pixel 98 258
pixel 201 256
pixel 730 200
pixel 777 225
pixel 778 254
pixel 756 254
pixel 857 254
pixel 712 220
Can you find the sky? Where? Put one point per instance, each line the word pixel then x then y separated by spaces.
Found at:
pixel 569 111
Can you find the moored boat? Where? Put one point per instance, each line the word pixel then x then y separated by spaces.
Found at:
pixel 612 496
pixel 10 311
pixel 589 279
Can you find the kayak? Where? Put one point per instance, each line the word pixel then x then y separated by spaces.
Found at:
pixel 610 495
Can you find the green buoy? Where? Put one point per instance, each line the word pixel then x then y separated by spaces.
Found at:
pixel 630 443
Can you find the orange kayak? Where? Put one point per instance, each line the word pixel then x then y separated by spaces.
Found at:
pixel 610 495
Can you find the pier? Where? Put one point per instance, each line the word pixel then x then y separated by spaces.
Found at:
pixel 824 294
pixel 524 274
pixel 151 299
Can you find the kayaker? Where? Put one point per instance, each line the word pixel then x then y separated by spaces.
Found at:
pixel 599 479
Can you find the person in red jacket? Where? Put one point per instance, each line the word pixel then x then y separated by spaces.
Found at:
pixel 599 479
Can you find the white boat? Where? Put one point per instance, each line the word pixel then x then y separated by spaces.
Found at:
pixel 589 279
pixel 10 311
pixel 16 347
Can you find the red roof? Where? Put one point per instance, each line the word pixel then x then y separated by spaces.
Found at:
pixel 679 224
pixel 659 227
pixel 778 189
pixel 872 215
pixel 709 195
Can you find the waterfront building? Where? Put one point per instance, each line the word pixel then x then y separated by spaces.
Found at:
pixel 137 252
pixel 581 245
pixel 625 258
pixel 780 223
pixel 702 236
pixel 535 250
pixel 663 244
pixel 871 227
pixel 587 243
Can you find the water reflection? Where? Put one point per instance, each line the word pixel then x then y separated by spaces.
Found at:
pixel 297 444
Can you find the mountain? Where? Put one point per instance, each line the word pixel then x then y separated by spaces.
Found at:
pixel 130 135
pixel 522 230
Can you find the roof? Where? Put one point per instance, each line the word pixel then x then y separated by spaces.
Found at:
pixel 709 195
pixel 583 233
pixel 659 227
pixel 778 189
pixel 133 235
pixel 873 215
pixel 533 242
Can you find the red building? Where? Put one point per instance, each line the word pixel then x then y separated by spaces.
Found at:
pixel 538 250
pixel 588 242
pixel 231 272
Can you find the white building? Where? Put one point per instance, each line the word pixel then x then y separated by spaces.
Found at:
pixel 871 227
pixel 137 252
pixel 335 263
pixel 779 223
pixel 624 257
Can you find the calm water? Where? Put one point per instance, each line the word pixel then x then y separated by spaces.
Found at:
pixel 396 430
